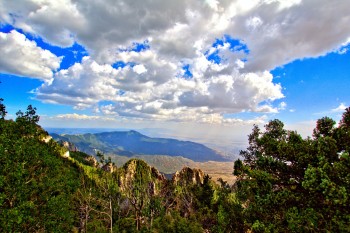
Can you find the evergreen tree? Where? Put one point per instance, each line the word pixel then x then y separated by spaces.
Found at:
pixel 290 184
pixel 3 111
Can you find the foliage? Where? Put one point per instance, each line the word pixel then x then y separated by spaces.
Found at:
pixel 3 111
pixel 174 223
pixel 36 184
pixel 290 184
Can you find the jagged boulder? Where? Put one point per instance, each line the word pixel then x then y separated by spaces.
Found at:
pixel 188 176
pixel 92 161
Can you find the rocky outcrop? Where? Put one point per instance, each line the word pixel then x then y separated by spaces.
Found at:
pixel 47 138
pixel 156 174
pixel 109 167
pixel 188 176
pixel 65 154
pixel 138 172
pixel 68 145
pixel 92 161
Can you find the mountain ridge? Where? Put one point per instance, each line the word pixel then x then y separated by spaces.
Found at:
pixel 130 143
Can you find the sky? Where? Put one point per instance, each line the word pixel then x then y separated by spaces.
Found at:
pixel 206 70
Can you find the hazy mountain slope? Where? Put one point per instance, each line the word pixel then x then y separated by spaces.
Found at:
pixel 130 143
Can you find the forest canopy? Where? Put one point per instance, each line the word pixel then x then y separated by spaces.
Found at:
pixel 291 184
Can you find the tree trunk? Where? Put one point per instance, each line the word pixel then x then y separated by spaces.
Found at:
pixel 111 214
pixel 137 221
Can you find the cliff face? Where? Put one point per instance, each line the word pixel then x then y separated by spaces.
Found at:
pixel 188 176
pixel 137 173
pixel 68 145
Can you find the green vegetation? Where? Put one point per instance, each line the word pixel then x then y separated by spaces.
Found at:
pixel 284 184
pixel 290 184
pixel 36 186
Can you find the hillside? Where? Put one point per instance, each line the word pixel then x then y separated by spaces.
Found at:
pixel 132 143
pixel 37 185
pixel 44 188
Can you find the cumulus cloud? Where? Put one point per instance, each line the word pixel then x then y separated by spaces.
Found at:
pixel 297 30
pixel 23 57
pixel 55 21
pixel 146 93
pixel 234 92
pixel 82 85
pixel 292 29
pixel 154 83
pixel 139 69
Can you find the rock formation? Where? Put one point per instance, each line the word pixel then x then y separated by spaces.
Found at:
pixel 138 172
pixel 70 146
pixel 92 161
pixel 188 176
pixel 109 167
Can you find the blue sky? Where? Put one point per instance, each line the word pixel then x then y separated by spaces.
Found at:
pixel 201 70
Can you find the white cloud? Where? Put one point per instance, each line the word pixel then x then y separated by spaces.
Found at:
pixel 55 21
pixel 316 27
pixel 341 108
pixel 254 22
pixel 75 116
pixel 23 57
pixel 153 95
pixel 178 33
pixel 233 93
pixel 108 109
pixel 283 3
pixel 139 69
pixel 74 120
pixel 82 85
pixel 304 29
pixel 344 48
pixel 282 106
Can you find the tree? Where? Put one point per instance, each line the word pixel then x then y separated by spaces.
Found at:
pixel 342 133
pixel 345 121
pixel 138 186
pixel 206 192
pixel 324 127
pixel 31 115
pixel 2 109
pixel 27 122
pixel 36 184
pixel 290 184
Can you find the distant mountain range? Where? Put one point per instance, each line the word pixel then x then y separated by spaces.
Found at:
pixel 131 143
